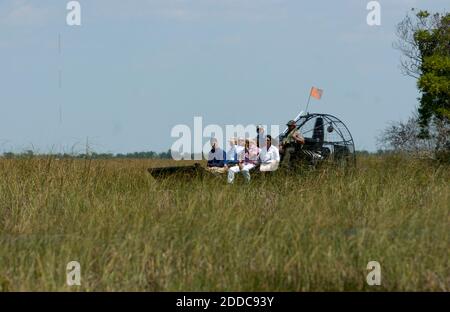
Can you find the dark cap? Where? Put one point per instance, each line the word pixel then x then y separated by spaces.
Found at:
pixel 291 123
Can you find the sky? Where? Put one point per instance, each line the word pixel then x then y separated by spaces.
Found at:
pixel 134 69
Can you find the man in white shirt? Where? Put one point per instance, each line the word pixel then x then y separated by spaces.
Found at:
pixel 269 156
pixel 240 146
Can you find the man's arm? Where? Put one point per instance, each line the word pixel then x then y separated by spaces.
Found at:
pixel 298 137
pixel 276 154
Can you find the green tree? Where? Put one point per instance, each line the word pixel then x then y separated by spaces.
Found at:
pixel 424 40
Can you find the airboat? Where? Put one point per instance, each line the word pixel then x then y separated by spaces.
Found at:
pixel 327 141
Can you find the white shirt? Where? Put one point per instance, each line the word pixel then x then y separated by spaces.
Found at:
pixel 269 156
pixel 231 153
pixel 239 149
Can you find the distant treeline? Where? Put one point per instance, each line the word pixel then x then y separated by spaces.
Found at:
pixel 135 155
pixel 93 155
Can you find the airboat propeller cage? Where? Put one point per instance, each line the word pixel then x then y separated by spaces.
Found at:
pixel 326 134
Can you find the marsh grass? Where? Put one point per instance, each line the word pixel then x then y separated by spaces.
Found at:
pixel 313 231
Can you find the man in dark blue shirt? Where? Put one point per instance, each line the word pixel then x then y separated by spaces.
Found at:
pixel 216 158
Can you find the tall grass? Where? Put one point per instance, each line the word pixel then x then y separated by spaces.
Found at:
pixel 312 231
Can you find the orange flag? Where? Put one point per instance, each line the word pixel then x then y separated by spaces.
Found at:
pixel 316 93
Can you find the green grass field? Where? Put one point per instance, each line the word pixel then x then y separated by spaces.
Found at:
pixel 311 232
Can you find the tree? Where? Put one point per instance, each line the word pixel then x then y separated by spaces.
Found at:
pixel 424 40
pixel 404 137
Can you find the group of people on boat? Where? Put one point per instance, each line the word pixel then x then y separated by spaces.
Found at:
pixel 245 155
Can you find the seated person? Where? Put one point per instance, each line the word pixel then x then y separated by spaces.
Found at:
pixel 247 161
pixel 269 156
pixel 240 145
pixel 290 141
pixel 216 158
pixel 232 155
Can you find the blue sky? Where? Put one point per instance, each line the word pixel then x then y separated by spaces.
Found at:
pixel 134 69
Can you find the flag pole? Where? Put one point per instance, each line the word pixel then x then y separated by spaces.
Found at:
pixel 309 99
